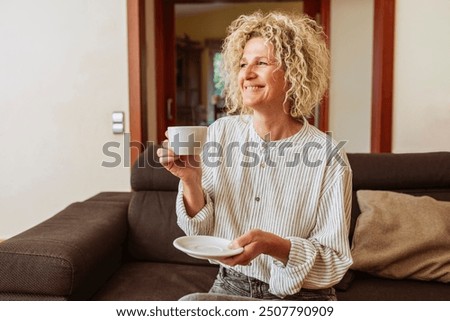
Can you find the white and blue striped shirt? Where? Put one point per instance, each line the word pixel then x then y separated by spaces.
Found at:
pixel 298 188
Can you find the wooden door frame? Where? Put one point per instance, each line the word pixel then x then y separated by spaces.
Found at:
pixel 164 16
pixel 313 8
pixel 382 71
pixel 136 78
pixel 382 76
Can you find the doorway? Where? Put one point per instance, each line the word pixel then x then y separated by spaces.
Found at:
pixel 199 33
pixel 172 95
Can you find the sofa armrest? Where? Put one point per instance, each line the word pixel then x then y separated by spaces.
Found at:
pixel 68 256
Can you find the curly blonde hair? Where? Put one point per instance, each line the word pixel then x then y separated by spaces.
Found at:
pixel 299 49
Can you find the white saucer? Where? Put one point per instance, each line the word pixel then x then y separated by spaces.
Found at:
pixel 205 247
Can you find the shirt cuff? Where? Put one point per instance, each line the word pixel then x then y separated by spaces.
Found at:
pixel 201 223
pixel 288 279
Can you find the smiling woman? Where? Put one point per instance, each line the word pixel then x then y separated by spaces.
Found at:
pixel 275 72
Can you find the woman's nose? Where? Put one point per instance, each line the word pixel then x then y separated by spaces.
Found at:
pixel 249 71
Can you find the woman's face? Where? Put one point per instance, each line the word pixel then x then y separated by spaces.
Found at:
pixel 261 82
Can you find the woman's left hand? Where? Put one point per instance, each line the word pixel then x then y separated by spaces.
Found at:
pixel 256 242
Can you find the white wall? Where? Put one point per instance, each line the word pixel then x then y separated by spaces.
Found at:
pixel 63 71
pixel 421 117
pixel 351 72
pixel 421 105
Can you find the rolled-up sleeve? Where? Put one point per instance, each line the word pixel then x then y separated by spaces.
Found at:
pixel 202 223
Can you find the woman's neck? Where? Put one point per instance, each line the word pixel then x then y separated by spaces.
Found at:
pixel 275 127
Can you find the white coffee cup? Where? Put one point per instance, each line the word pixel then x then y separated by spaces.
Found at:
pixel 187 140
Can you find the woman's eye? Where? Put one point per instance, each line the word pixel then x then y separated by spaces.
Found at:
pixel 258 63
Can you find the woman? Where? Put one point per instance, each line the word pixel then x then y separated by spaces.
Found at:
pixel 274 189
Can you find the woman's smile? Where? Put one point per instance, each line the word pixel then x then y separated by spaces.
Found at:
pixel 253 88
pixel 261 79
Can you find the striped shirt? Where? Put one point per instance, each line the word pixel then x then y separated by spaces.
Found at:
pixel 298 188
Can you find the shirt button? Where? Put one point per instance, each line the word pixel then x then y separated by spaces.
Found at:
pixel 263 165
pixel 257 198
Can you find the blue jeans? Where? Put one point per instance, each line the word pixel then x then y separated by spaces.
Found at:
pixel 232 285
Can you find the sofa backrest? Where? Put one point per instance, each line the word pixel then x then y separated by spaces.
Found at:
pixel 412 173
pixel 151 216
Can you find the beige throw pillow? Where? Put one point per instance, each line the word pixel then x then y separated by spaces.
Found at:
pixel 402 236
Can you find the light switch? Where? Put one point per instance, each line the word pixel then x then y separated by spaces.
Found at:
pixel 117 117
pixel 118 122
pixel 117 128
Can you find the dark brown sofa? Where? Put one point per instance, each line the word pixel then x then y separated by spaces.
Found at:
pixel 118 246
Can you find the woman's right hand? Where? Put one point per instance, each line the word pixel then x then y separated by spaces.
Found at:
pixel 185 167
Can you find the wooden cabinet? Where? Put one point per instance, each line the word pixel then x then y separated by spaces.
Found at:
pixel 189 109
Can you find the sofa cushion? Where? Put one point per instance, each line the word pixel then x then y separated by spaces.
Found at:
pixel 346 281
pixel 137 281
pixel 402 236
pixel 153 228
pixel 148 174
pixel 410 173
pixel 366 287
